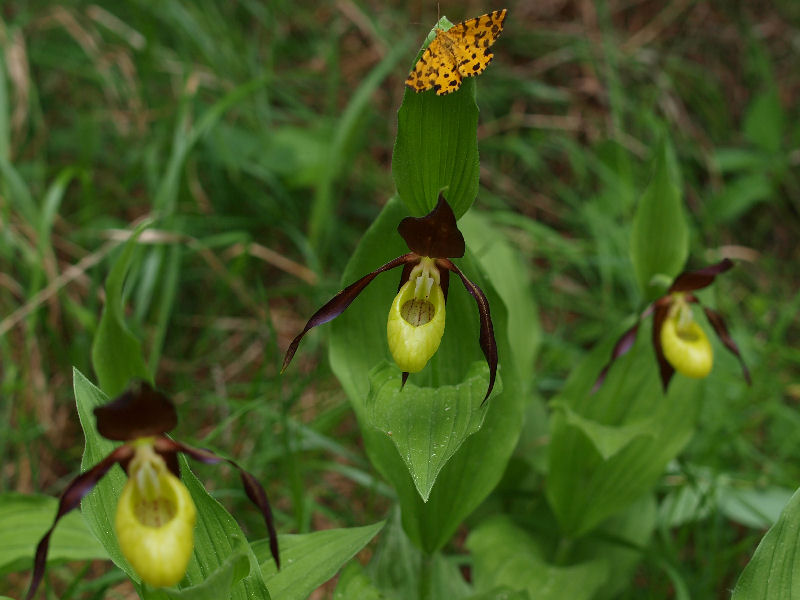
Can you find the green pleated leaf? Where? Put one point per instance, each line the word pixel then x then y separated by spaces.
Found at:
pixel 219 583
pixel 358 344
pixel 765 121
pixel 217 535
pixel 427 425
pixel 620 541
pixel 437 146
pixel 756 508
pixel 308 560
pixel 613 445
pixel 505 555
pixel 607 439
pixel 660 236
pixel 772 572
pixel 402 572
pixel 24 519
pixel 116 352
pixel 355 584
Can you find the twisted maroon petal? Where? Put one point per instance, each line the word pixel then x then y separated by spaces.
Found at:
pixel 718 323
pixel 70 499
pixel 252 487
pixel 659 316
pixel 621 348
pixel 337 305
pixel 486 339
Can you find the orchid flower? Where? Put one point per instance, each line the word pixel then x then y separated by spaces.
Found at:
pixel 155 515
pixel 417 315
pixel 679 342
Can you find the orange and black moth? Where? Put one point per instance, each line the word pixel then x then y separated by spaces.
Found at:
pixel 459 52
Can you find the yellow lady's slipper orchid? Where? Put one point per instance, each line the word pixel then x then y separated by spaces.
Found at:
pixel 155 514
pixel 679 342
pixel 417 314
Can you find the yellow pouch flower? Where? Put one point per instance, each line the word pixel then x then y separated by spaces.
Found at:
pixel 415 326
pixel 686 348
pixel 155 520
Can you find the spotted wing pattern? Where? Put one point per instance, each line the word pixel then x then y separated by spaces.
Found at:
pixel 461 51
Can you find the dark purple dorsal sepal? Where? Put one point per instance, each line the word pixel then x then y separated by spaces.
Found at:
pixel 139 412
pixel 435 235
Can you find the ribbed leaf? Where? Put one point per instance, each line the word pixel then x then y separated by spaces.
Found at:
pixel 612 445
pixel 354 583
pixel 772 572
pixel 427 425
pixel 660 237
pixel 309 560
pixel 25 518
pixel 116 352
pixel 607 439
pixel 505 555
pixel 217 535
pixel 437 147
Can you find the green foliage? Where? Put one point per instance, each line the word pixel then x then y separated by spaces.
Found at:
pixel 436 148
pixel 258 134
pixel 218 539
pixel 358 343
pixel 506 556
pixel 609 448
pixel 771 573
pixel 24 518
pixel 309 560
pixel 659 236
pixel 116 352
pixel 427 425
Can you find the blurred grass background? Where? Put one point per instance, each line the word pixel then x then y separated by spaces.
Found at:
pixel 260 134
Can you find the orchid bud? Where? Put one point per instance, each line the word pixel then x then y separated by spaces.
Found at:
pixel 416 318
pixel 685 345
pixel 155 519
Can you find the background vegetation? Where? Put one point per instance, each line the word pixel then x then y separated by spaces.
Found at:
pixel 263 133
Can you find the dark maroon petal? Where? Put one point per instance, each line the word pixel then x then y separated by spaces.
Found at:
pixel 404 379
pixel 487 341
pixel 659 316
pixel 405 275
pixel 139 412
pixel 718 323
pixel 623 345
pixel 341 301
pixel 70 499
pixel 688 281
pixel 252 487
pixel 435 235
pixel 444 283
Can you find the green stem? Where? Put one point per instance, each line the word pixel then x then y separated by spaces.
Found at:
pixel 426 578
pixel 562 551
